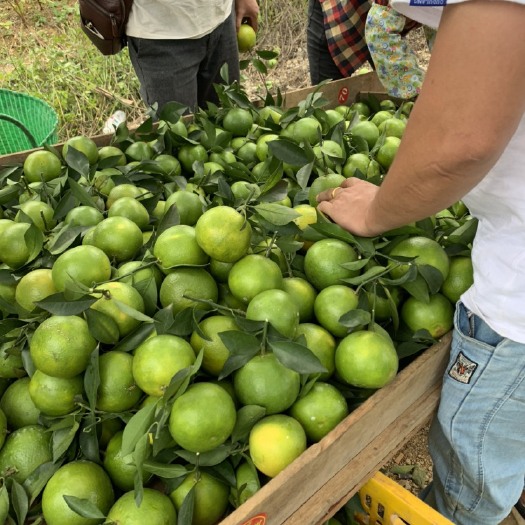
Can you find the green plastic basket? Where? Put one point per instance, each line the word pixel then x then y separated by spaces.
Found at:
pixel 26 122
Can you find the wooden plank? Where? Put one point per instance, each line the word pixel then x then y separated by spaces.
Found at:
pixel 342 91
pixel 339 91
pixel 347 482
pixel 358 444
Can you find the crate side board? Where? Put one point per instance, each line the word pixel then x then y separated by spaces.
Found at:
pixel 365 427
pixel 347 482
pixel 338 92
pixel 343 91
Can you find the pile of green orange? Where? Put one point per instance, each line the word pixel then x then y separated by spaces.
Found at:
pixel 178 321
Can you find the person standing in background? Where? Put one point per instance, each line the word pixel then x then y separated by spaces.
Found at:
pixel 395 61
pixel 178 47
pixel 461 142
pixel 335 38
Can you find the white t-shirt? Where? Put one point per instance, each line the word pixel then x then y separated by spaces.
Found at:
pixel 498 201
pixel 176 19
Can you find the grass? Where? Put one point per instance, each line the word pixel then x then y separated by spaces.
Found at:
pixel 44 53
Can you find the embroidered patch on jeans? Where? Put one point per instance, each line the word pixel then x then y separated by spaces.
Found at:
pixel 462 369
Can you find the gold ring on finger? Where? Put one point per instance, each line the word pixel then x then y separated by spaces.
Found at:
pixel 333 194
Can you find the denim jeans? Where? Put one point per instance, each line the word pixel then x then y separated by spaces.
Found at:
pixel 185 70
pixel 477 439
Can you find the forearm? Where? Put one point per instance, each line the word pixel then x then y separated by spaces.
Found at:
pixel 460 124
pixel 471 103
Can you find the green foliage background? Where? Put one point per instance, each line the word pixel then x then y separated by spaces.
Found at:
pixel 44 53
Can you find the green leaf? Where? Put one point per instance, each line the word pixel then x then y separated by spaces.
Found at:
pixel 76 160
pixel 272 173
pixel 147 288
pixel 178 383
pixel 81 194
pixel 260 66
pixel 4 503
pixel 135 338
pixel 329 229
pixel 433 277
pixel 172 112
pixel 128 310
pixel 170 218
pixel 62 439
pixel 266 54
pixel 57 304
pixel 355 318
pixel 10 324
pixel 242 348
pixel 185 514
pixel 409 276
pixel 297 357
pixel 276 213
pixel 92 379
pixel 19 501
pixel 163 470
pixel 303 175
pixel 34 240
pixel 277 192
pixel 465 233
pixel 408 348
pixel 247 416
pixel 88 439
pixel 8 193
pixel 83 507
pixel 140 454
pixel 61 241
pixel 137 426
pixel 288 152
pixel 207 459
pixel 418 289
pixel 402 470
pixel 102 327
pixel 37 480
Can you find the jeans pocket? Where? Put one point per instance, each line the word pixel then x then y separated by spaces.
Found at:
pixel 470 326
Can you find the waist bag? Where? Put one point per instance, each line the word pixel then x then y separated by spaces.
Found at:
pixel 104 23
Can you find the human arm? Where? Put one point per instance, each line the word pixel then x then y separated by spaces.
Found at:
pixel 246 9
pixel 471 104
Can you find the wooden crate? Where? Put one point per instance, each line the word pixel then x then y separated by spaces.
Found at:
pixel 329 473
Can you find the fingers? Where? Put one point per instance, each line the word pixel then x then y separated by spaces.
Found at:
pixel 246 10
pixel 332 193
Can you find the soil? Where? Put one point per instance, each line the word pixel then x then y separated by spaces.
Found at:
pixel 411 466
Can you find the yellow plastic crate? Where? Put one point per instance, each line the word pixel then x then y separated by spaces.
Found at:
pixel 388 503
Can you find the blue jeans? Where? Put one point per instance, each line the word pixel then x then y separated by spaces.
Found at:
pixel 477 439
pixel 185 70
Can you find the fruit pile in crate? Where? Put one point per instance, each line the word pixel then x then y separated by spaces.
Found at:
pixel 179 323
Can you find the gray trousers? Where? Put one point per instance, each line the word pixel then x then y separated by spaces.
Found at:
pixel 185 70
pixel 320 61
